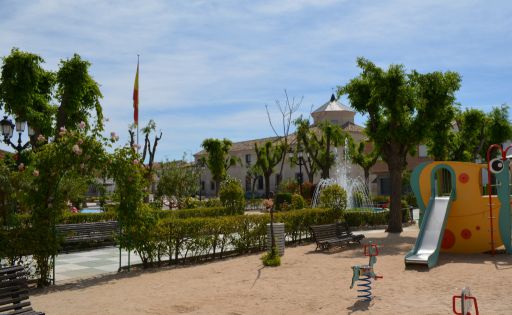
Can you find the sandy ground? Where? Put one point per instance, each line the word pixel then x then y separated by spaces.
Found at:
pixel 307 282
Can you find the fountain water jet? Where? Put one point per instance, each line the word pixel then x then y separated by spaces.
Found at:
pixel 358 194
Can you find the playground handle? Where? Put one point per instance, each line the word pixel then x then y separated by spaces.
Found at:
pixel 455 297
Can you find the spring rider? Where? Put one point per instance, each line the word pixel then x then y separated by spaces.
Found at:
pixel 466 303
pixel 364 273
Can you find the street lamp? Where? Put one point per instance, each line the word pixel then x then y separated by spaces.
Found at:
pixel 8 130
pixel 299 163
pixel 200 166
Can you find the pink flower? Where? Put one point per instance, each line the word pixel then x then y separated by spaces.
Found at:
pixel 41 138
pixel 77 150
pixel 135 162
pixel 268 203
pixel 62 131
pixel 81 125
pixel 21 167
pixel 35 173
pixel 80 141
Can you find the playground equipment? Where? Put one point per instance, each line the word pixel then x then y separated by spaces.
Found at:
pixel 457 213
pixel 466 303
pixel 364 273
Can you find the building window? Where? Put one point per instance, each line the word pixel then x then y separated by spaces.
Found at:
pixel 248 159
pixel 278 180
pixel 385 186
pixel 212 185
pixel 260 182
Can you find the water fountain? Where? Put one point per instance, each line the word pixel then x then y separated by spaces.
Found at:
pixel 358 194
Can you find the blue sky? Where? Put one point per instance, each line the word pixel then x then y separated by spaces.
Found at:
pixel 208 68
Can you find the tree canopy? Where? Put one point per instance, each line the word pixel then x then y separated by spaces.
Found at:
pixel 26 90
pixel 267 157
pixel 401 108
pixel 77 93
pixel 217 159
pixel 319 143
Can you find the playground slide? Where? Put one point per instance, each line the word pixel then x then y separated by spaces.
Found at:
pixel 426 250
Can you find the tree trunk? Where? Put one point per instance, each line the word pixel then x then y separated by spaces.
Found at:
pixel 395 208
pixel 367 178
pixel 217 186
pixel 267 185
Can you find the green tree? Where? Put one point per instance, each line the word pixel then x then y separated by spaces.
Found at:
pixel 267 157
pixel 26 91
pixel 401 109
pixel 333 197
pixel 365 160
pixel 232 196
pixel 318 143
pixel 78 94
pixel 476 131
pixel 218 159
pixel 178 180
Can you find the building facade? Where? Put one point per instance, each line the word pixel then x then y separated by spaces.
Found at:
pixel 332 111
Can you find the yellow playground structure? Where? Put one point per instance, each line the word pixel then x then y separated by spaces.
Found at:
pixel 464 208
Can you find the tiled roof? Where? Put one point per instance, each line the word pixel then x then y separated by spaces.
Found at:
pixel 248 145
pixel 333 106
pixel 351 127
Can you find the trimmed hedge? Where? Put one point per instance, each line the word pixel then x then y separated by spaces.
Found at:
pixel 371 218
pixel 215 236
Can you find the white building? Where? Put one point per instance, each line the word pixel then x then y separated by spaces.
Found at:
pixel 332 111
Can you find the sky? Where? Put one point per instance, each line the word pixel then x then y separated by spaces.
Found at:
pixel 209 68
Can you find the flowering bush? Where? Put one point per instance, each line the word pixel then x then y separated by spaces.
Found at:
pixel 71 156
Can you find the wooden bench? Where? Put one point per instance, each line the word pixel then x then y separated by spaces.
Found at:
pixel 14 292
pixel 326 236
pixel 88 232
pixel 343 231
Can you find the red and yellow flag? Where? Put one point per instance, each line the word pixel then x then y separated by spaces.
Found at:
pixel 136 97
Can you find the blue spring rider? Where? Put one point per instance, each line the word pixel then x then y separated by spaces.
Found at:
pixel 364 273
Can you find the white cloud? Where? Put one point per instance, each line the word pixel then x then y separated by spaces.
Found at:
pixel 208 67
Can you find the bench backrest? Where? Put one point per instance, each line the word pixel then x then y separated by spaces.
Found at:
pixel 324 231
pixel 88 231
pixel 14 291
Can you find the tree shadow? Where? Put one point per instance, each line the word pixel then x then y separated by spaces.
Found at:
pixel 257 276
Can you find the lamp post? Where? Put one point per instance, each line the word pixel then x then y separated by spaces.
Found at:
pixel 200 166
pixel 8 130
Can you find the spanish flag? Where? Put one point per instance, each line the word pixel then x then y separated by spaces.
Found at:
pixel 136 96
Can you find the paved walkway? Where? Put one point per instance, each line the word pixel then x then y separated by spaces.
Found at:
pixel 91 263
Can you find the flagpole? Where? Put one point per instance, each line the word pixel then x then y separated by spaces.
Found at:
pixel 137 107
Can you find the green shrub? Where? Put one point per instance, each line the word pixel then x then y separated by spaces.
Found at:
pixel 142 235
pixel 199 212
pixel 298 202
pixel 283 201
pixel 288 186
pixel 212 203
pixel 380 199
pixel 271 258
pixel 333 197
pixel 232 195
